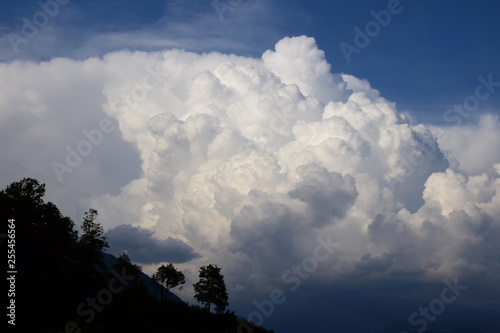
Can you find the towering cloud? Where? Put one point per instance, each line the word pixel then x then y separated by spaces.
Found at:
pixel 252 160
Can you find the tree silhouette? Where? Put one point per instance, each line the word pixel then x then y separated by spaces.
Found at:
pixel 59 274
pixel 168 277
pixel 124 261
pixel 46 248
pixel 92 240
pixel 40 222
pixel 40 226
pixel 211 288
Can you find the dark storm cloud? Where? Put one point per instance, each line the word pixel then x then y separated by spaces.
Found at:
pixel 142 247
pixel 328 194
pixel 369 264
pixel 267 232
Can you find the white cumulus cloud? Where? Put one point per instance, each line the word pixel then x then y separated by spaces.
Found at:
pixel 252 159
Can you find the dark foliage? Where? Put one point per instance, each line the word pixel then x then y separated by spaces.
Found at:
pixel 168 277
pixel 211 289
pixel 62 279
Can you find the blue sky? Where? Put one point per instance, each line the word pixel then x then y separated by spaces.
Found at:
pixel 427 58
pixel 232 138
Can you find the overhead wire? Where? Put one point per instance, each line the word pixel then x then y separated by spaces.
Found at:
pixel 303 286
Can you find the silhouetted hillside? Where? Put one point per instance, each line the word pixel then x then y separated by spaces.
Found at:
pixel 151 287
pixel 66 283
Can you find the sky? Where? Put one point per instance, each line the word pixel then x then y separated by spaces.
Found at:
pixel 339 161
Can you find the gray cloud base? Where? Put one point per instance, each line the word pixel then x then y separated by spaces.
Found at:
pixel 144 248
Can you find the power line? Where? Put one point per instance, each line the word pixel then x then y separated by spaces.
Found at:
pixel 132 217
pixel 199 246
